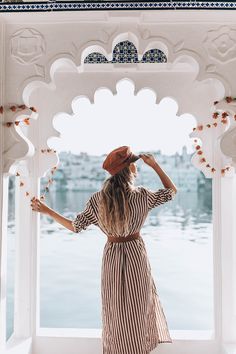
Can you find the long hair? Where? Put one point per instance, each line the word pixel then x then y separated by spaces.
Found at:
pixel 114 209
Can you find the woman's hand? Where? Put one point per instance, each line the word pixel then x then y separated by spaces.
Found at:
pixel 38 206
pixel 149 159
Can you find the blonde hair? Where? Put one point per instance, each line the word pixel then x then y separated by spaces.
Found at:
pixel 114 209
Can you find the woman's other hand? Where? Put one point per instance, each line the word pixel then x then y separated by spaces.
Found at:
pixel 149 159
pixel 38 206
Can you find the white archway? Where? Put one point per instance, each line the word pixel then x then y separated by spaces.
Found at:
pixel 187 77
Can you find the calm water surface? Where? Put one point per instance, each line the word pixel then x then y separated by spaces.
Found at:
pixel 178 239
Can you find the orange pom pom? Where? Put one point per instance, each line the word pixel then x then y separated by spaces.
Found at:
pixel 26 120
pixel 229 99
pixel 22 106
pixel 199 152
pixel 224 121
pixel 208 165
pixel 203 160
pixel 215 115
pixel 224 114
pixel 215 124
pixel 13 108
pixel 213 169
pixel 200 127
pixel 198 147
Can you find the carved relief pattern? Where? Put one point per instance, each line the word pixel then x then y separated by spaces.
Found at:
pixel 228 144
pixel 228 138
pixel 27 46
pixel 221 43
pixel 17 147
pixel 124 51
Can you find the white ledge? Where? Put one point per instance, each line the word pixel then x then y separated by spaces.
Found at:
pixel 19 345
pixel 97 332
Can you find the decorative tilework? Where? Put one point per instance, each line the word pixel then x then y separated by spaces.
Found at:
pixel 154 56
pixel 126 52
pixel 95 57
pixel 115 5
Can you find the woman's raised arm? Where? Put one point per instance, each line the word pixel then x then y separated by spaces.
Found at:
pixel 40 207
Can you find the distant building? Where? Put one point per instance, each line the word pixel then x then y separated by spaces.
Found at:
pixel 84 172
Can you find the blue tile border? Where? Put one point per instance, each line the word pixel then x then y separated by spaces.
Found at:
pixel 116 5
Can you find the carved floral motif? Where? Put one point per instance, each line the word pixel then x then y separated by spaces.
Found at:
pixel 27 46
pixel 221 43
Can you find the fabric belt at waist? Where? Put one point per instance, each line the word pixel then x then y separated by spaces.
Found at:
pixel 131 237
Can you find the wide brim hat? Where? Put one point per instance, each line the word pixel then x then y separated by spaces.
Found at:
pixel 119 158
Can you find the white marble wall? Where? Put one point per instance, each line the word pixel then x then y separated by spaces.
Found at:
pixel 41 65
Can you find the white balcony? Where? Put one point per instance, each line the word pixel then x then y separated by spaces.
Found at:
pixel 42 65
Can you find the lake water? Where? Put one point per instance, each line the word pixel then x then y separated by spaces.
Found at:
pixel 178 239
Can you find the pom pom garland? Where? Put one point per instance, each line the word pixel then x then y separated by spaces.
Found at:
pixel 26 121
pixel 46 189
pixel 15 108
pixel 224 120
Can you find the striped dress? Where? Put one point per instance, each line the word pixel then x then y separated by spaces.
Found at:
pixel 132 315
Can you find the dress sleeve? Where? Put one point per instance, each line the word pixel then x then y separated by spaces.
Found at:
pixel 85 217
pixel 161 196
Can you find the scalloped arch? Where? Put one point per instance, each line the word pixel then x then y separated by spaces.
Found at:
pixel 181 85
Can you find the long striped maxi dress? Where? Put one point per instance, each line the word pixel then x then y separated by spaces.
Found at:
pixel 132 314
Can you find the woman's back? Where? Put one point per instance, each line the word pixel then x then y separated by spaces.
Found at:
pixel 140 200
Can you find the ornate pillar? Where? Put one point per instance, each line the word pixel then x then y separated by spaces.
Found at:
pixel 3 200
pixel 225 194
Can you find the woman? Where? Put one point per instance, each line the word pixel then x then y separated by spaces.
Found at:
pixel 132 315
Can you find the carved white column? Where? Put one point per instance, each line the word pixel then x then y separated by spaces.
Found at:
pixel 3 201
pixel 16 149
pixel 26 240
pixel 3 256
pixel 28 226
pixel 226 195
pixel 228 231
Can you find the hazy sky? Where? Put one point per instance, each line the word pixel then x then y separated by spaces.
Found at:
pixel 123 119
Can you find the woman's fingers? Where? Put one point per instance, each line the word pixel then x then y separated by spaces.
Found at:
pixel 39 206
pixel 35 204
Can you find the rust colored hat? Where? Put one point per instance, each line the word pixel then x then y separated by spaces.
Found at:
pixel 119 158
